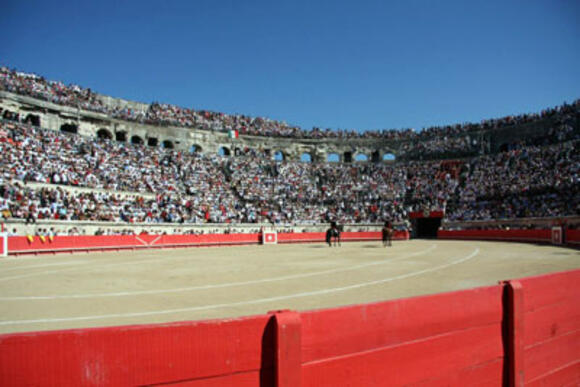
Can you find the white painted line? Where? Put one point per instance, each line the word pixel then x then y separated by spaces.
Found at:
pixel 142 241
pixel 215 286
pixel 250 302
pixel 154 240
pixel 87 269
pixel 45 265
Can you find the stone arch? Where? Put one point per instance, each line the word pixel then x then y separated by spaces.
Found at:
pixel 32 119
pixel 104 134
pixel 195 148
pixel 121 136
pixel 137 140
pixel 376 156
pixel 279 156
pixel 69 128
pixel 361 157
pixel 306 157
pixel 333 157
pixel 167 144
pixel 224 151
pixel 10 115
pixel 347 157
pixel 389 157
pixel 152 142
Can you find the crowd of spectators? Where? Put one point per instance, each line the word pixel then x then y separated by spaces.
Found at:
pixel 102 180
pixel 530 181
pixel 166 114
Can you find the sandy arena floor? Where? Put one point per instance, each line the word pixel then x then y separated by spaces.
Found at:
pixel 154 286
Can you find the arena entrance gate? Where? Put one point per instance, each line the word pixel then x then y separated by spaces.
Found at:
pixel 425 224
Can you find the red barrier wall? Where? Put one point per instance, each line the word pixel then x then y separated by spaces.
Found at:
pixel 551 329
pixel 573 237
pixel 27 245
pixel 345 236
pixel 235 352
pixel 522 331
pixel 442 339
pixel 2 239
pixel 542 236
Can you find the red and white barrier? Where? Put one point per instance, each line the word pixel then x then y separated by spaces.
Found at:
pixel 269 237
pixel 18 245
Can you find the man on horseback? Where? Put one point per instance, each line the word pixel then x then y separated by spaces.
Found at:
pixel 333 233
pixel 387 234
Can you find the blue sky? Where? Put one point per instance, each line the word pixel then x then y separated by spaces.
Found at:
pixel 338 64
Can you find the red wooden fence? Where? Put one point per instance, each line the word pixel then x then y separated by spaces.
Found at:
pixel 542 236
pixel 523 331
pixel 36 244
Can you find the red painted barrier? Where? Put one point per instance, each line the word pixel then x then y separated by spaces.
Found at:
pixel 234 352
pixel 35 244
pixel 524 331
pixel 3 244
pixel 573 237
pixel 441 339
pixel 551 329
pixel 345 236
pixel 541 236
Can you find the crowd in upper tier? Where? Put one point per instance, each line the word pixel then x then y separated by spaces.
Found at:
pixel 165 114
pixel 50 175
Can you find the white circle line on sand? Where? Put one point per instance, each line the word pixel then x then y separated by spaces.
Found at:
pixel 217 286
pixel 81 267
pixel 249 302
pixel 44 265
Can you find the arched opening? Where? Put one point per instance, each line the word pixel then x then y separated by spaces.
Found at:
pixel 10 116
pixel 347 157
pixel 69 128
pixel 279 156
pixel 361 157
pixel 376 156
pixel 389 157
pixel 167 144
pixel 104 134
pixel 32 119
pixel 152 142
pixel 333 158
pixel 306 157
pixel 195 149
pixel 224 151
pixel 136 140
pixel 121 136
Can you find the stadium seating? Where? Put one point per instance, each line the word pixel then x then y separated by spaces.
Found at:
pixel 42 170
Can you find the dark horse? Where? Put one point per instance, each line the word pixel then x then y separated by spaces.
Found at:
pixel 333 233
pixel 387 234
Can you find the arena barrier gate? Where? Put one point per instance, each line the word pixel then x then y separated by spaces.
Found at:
pixel 18 245
pixel 517 332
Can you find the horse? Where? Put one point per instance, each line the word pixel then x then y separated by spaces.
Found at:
pixel 333 233
pixel 387 234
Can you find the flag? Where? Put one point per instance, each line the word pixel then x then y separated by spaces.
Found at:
pixel 233 133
